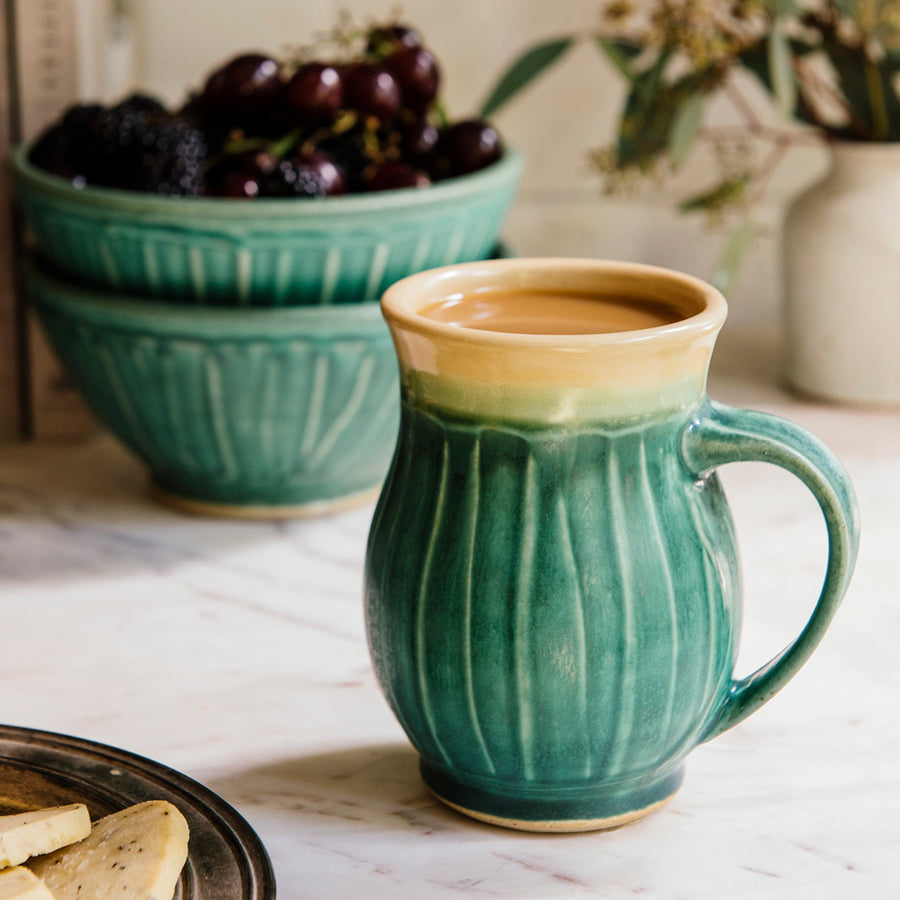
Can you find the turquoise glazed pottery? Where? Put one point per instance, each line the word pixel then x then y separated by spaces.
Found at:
pixel 266 252
pixel 270 412
pixel 552 585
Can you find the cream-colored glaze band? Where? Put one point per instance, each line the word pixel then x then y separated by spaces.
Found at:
pixel 555 378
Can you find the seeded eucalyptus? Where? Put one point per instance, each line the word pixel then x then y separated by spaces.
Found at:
pixel 833 65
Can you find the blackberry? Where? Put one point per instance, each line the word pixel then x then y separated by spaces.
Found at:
pixel 126 128
pixel 293 179
pixel 170 157
pixel 138 103
pixel 357 121
pixel 195 111
pixel 83 137
pixel 52 151
pixel 134 145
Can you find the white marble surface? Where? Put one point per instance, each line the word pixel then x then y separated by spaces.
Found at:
pixel 236 653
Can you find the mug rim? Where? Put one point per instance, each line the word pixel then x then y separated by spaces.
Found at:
pixel 403 301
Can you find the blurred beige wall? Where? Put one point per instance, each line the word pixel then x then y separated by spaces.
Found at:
pixel 561 209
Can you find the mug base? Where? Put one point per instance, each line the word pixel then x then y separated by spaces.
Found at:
pixel 602 812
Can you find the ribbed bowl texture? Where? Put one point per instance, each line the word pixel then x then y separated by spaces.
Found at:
pixel 266 252
pixel 262 408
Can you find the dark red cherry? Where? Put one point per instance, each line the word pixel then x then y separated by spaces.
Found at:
pixel 416 71
pixel 244 88
pixel 240 186
pixel 331 174
pixel 384 38
pixel 371 90
pixel 314 94
pixel 395 175
pixel 418 140
pixel 468 146
pixel 256 162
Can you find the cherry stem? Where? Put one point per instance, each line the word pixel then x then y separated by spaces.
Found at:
pixel 440 112
pixel 283 145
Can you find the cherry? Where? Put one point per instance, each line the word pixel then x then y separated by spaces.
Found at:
pixel 334 181
pixel 416 71
pixel 244 88
pixel 315 93
pixel 241 174
pixel 466 147
pixel 239 186
pixel 418 140
pixel 395 175
pixel 257 162
pixel 259 127
pixel 308 174
pixel 389 36
pixel 372 90
pixel 352 150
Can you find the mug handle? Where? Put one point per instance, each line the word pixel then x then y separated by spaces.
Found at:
pixel 721 434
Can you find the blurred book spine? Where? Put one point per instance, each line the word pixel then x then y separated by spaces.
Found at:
pixel 56 53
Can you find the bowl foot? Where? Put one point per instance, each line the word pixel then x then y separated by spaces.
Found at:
pixel 212 509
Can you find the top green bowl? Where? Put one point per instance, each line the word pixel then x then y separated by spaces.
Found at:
pixel 265 252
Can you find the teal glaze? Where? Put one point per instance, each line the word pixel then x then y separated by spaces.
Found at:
pixel 490 610
pixel 239 408
pixel 267 252
pixel 554 606
pixel 554 613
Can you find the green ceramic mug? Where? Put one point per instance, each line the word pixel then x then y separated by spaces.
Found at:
pixel 553 596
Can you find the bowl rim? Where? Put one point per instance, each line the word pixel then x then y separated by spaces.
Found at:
pixel 116 311
pixel 507 169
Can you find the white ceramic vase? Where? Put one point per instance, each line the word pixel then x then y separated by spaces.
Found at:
pixel 842 271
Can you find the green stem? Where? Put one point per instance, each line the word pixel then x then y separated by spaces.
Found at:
pixel 244 145
pixel 284 144
pixel 440 112
pixel 875 86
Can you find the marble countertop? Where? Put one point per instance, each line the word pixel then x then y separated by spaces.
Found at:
pixel 235 652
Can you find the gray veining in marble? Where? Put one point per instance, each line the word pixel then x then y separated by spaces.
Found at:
pixel 236 653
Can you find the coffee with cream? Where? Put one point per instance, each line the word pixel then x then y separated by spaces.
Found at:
pixel 519 311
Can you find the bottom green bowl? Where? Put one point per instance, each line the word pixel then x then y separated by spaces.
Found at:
pixel 235 411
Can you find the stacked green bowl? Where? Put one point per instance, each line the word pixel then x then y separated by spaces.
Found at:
pixel 237 347
pixel 268 252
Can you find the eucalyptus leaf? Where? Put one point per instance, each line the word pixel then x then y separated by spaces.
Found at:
pixel 522 71
pixel 870 103
pixel 755 58
pixel 729 263
pixel 647 118
pixel 684 130
pixel 781 70
pixel 784 7
pixel 621 54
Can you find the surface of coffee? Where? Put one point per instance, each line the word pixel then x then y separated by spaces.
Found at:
pixel 549 312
